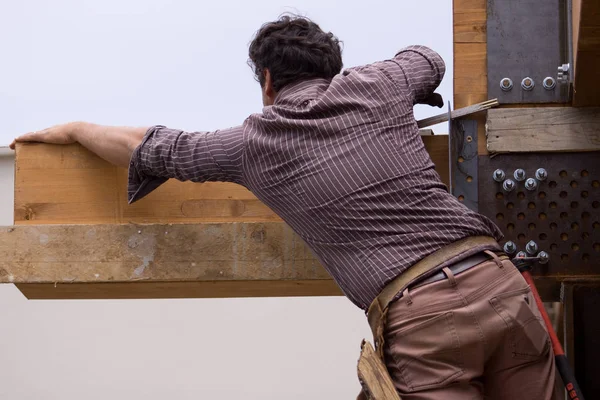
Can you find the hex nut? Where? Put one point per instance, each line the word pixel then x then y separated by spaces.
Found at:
pixel 509 185
pixel 510 247
pixel 541 174
pixel 506 84
pixel 519 174
pixel 543 257
pixel 527 84
pixel 499 175
pixel 549 83
pixel 530 184
pixel 531 247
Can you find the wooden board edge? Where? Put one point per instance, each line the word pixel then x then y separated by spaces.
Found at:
pixel 179 290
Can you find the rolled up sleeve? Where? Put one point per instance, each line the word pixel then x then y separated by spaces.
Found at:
pixel 418 70
pixel 186 156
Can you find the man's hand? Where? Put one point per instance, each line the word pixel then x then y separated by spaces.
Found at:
pixel 115 144
pixel 434 100
pixel 58 134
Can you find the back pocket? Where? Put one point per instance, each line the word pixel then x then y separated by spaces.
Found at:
pixel 427 352
pixel 527 333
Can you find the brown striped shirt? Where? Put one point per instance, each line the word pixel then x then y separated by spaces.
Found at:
pixel 341 161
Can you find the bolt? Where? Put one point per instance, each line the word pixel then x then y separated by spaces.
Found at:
pixel 530 184
pixel 563 73
pixel 531 247
pixel 543 257
pixel 510 247
pixel 541 174
pixel 521 254
pixel 519 174
pixel 499 175
pixel 527 84
pixel 509 185
pixel 506 84
pixel 549 83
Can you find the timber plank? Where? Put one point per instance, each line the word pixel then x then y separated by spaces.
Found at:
pixel 129 261
pixel 180 290
pixel 470 59
pixel 70 185
pixel 470 73
pixel 545 129
pixel 470 21
pixel 170 252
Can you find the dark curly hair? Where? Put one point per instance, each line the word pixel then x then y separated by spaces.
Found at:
pixel 294 48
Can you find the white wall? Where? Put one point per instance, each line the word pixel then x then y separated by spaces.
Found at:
pixel 179 63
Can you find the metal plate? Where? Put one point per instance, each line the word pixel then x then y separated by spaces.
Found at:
pixel 463 162
pixel 526 38
pixel 562 216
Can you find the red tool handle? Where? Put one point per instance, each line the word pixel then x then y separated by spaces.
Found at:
pixel 562 364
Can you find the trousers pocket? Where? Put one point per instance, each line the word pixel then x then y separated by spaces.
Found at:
pixel 526 331
pixel 427 352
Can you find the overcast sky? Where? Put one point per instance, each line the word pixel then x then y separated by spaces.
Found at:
pixel 177 63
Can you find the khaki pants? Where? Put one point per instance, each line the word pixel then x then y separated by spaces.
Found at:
pixel 477 335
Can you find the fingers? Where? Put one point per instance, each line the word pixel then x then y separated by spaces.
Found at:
pixel 27 137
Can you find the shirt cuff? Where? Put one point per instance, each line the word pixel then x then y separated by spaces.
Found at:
pixel 139 183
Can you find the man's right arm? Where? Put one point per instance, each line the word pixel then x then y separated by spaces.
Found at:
pixel 418 71
pixel 115 144
pixel 155 154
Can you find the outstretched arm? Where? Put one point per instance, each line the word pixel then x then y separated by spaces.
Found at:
pixel 155 154
pixel 113 143
pixel 186 156
pixel 418 71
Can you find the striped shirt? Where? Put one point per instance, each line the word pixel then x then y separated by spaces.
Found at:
pixel 341 162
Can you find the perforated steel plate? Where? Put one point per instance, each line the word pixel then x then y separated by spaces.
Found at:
pixel 562 215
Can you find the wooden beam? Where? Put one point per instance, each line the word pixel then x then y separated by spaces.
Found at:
pixel 545 129
pixel 131 261
pixel 160 261
pixel 470 59
pixel 171 252
pixel 586 52
pixel 180 290
pixel 70 185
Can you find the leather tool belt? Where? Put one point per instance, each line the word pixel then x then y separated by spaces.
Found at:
pixel 413 277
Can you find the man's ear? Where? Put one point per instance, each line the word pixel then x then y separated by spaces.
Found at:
pixel 268 91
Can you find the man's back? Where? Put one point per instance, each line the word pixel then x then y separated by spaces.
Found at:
pixel 342 162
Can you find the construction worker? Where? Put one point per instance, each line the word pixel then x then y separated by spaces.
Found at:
pixel 337 154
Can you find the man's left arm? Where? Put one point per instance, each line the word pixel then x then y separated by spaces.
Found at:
pixel 186 156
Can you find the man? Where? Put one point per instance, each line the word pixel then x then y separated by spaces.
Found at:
pixel 338 156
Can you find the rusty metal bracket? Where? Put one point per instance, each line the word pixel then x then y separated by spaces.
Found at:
pixel 464 162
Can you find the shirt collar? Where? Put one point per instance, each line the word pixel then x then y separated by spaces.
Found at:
pixel 300 91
